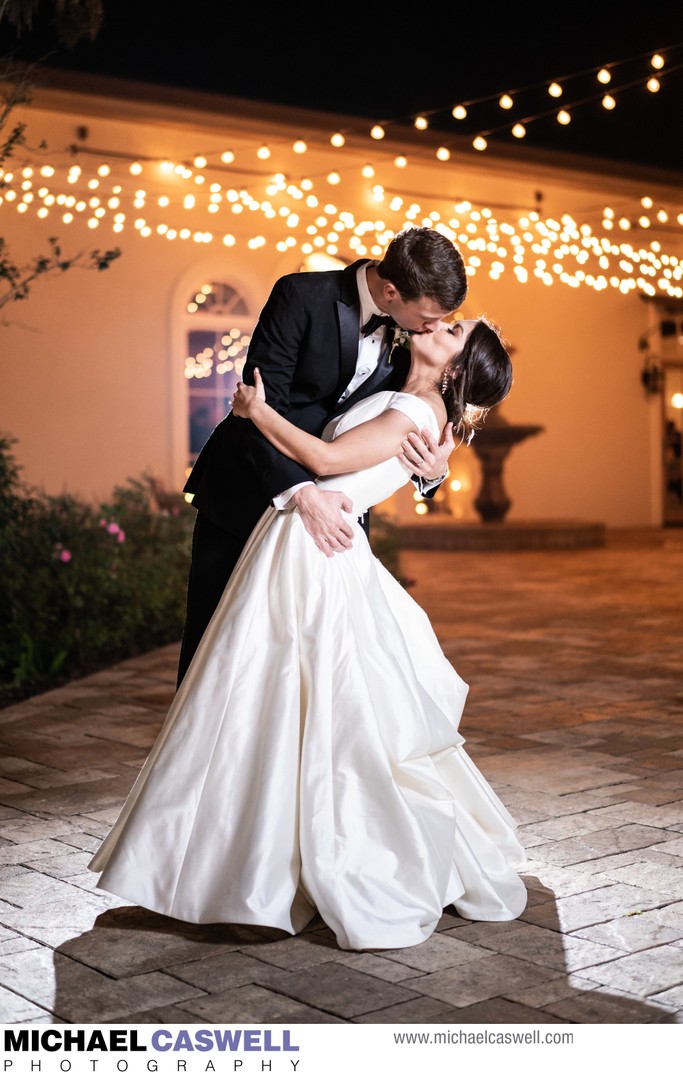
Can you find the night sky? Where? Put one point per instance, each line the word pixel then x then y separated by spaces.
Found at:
pixel 367 61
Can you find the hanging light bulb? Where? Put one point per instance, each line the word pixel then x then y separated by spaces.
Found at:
pixel 519 130
pixel 480 143
pixel 505 101
pixel 554 89
pixel 604 76
pixel 337 140
pixel 563 117
pixel 657 61
pixel 653 85
pixel 377 132
pixel 608 102
pixel 443 153
pixel 422 123
pixel 459 112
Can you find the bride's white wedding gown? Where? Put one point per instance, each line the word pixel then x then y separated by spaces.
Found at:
pixel 310 759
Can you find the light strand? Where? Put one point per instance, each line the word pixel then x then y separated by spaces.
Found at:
pixel 301 216
pixel 460 110
pixel 575 104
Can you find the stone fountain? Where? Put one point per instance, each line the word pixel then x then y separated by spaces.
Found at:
pixel 491 445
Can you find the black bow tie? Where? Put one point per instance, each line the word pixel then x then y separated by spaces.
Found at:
pixel 374 322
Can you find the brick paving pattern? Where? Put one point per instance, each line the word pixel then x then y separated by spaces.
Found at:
pixel 575 715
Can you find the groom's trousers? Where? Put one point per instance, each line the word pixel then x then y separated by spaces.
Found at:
pixel 214 556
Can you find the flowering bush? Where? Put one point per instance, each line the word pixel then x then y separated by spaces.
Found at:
pixel 84 586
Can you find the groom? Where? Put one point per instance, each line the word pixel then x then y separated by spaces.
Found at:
pixel 322 343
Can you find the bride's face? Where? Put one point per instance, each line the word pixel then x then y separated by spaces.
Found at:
pixel 446 343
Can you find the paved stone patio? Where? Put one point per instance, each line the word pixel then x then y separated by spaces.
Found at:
pixel 575 715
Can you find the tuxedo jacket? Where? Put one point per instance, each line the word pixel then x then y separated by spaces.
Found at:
pixel 305 345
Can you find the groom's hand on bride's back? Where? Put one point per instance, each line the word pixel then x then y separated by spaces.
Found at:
pixel 321 515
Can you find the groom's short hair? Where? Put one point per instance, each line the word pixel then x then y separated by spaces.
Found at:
pixel 423 263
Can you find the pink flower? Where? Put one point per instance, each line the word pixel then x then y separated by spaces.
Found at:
pixel 103 523
pixel 113 528
pixel 65 556
pixel 121 536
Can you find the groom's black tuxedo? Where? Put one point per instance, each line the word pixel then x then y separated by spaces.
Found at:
pixel 306 346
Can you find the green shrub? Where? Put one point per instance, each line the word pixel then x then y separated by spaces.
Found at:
pixel 84 586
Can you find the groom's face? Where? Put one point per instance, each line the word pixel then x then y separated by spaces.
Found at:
pixel 421 315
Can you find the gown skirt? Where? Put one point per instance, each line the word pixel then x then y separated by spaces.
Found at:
pixel 311 762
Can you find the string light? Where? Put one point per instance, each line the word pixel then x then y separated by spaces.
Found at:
pixel 556 88
pixel 522 248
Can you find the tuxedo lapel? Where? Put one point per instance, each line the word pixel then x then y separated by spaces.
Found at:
pixel 348 322
pixel 348 318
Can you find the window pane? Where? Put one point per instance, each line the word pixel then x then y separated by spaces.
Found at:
pixel 215 356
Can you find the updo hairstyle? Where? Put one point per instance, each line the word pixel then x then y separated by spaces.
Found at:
pixel 477 379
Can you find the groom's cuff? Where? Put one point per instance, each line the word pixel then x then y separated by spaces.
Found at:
pixel 424 485
pixel 282 500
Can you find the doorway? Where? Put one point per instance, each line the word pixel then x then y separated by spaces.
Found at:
pixel 672 429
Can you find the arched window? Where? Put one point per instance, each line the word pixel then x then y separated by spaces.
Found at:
pixel 218 331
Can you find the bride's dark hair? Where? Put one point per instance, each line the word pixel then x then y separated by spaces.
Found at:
pixel 477 379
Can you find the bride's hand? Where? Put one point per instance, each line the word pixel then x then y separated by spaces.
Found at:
pixel 246 396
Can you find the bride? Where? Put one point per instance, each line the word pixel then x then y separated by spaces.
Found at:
pixel 310 761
